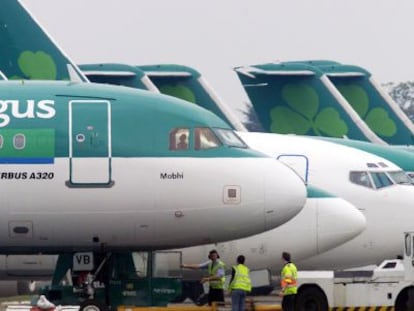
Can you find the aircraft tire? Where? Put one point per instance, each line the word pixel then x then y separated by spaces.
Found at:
pixel 92 305
pixel 311 299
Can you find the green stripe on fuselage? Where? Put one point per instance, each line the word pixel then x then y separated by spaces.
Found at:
pixel 314 192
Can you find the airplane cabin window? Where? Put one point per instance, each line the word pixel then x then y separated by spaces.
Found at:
pixel 381 180
pixel 204 138
pixel 360 178
pixel 19 141
pixel 230 138
pixel 179 138
pixel 401 178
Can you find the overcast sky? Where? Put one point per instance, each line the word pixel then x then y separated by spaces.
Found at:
pixel 216 35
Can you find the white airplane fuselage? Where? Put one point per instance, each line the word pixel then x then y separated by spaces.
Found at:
pixel 387 209
pixel 145 208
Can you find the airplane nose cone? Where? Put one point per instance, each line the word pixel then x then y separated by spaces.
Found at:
pixel 285 196
pixel 338 222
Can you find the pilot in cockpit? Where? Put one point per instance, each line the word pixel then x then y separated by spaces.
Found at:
pixel 182 144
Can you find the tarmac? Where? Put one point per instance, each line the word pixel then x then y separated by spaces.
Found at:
pixel 257 303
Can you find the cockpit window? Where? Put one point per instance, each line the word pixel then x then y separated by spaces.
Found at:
pixel 204 138
pixel 179 139
pixel 401 178
pixel 381 180
pixel 230 138
pixel 360 178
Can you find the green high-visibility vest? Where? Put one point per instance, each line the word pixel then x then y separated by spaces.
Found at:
pixel 212 271
pixel 241 278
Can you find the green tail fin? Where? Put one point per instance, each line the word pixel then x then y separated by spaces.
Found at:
pixel 373 105
pixel 187 83
pixel 27 52
pixel 295 97
pixel 117 74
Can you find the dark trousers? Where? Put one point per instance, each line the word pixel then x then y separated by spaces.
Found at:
pixel 215 294
pixel 288 303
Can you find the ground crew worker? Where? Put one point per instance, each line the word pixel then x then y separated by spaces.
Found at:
pixel 288 284
pixel 216 276
pixel 240 284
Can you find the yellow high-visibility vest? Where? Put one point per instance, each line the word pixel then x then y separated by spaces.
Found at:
pixel 212 271
pixel 241 278
pixel 288 279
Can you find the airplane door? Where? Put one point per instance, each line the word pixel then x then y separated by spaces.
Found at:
pixel 90 143
pixel 298 162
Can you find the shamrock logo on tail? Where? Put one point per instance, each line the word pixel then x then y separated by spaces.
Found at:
pixel 36 66
pixel 302 115
pixel 179 91
pixel 377 118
